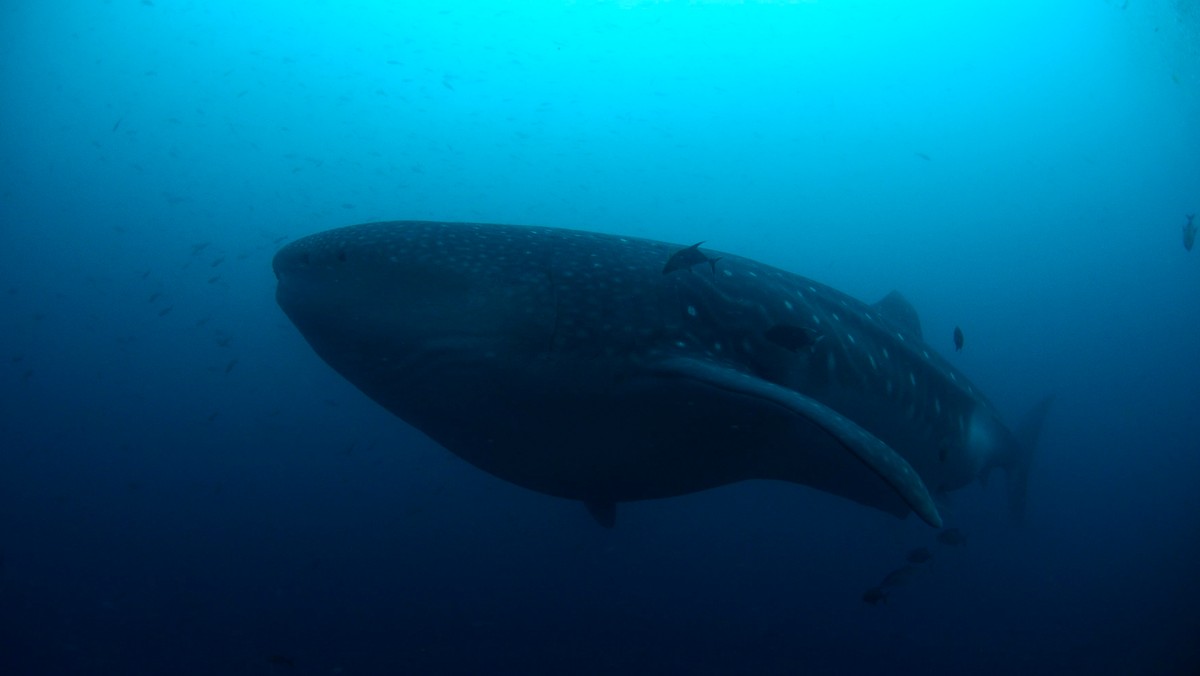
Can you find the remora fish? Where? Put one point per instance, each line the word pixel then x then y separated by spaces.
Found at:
pixel 568 363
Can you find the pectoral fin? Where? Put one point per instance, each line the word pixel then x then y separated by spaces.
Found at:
pixel 868 448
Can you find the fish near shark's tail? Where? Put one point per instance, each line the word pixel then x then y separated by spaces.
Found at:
pixel 1018 470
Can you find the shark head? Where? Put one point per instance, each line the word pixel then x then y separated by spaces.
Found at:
pixel 394 306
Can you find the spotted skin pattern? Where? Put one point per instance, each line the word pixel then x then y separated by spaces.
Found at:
pixel 569 362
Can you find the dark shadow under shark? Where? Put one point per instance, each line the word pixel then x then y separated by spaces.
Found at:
pixel 574 364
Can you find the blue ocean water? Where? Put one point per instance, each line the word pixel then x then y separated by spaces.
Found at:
pixel 186 488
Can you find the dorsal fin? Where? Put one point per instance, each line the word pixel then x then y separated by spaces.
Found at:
pixel 900 312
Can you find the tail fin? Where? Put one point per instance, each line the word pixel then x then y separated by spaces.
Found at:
pixel 1018 472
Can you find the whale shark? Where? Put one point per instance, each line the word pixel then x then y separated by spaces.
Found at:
pixel 605 369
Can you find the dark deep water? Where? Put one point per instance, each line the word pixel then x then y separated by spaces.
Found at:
pixel 185 488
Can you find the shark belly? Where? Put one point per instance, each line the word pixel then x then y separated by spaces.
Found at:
pixel 646 435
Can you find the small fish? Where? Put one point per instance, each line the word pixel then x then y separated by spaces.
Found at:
pixel 924 157
pixel 165 311
pixel 197 248
pixel 217 261
pixel 953 537
pixel 214 279
pixel 232 362
pixel 1189 232
pixel 117 124
pixel 684 259
pixel 900 576
pixel 958 339
pixel 920 555
pixel 875 596
pixel 153 297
